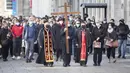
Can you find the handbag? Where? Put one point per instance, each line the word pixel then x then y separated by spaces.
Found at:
pixel 97 44
pixel 115 44
pixel 108 43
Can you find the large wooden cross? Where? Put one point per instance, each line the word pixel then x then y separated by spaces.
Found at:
pixel 65 13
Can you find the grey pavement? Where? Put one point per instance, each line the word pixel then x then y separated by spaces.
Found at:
pixel 20 66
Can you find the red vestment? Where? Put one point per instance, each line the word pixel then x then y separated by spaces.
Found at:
pixel 83 47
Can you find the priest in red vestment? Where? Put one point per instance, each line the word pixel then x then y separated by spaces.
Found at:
pixel 82 42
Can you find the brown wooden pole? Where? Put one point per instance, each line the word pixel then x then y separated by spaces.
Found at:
pixel 66 23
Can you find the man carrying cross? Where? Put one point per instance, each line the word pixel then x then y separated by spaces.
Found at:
pixel 67 34
pixel 65 54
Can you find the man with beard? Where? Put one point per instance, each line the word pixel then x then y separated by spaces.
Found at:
pixel 56 37
pixel 65 54
pixel 46 46
pixel 83 42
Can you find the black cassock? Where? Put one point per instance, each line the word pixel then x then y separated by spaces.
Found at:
pixel 78 40
pixel 46 54
pixel 65 55
pixel 56 36
pixel 57 39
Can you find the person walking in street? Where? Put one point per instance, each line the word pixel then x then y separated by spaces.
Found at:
pixel 30 38
pixel 111 36
pixel 123 31
pixel 17 30
pixel 5 36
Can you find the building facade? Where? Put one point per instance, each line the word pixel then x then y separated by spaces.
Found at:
pixel 5 7
pixel 116 9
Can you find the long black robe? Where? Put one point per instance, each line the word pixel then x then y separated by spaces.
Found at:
pixel 41 56
pixel 56 36
pixel 38 27
pixel 78 40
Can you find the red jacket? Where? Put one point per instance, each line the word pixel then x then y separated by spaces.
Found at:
pixel 17 31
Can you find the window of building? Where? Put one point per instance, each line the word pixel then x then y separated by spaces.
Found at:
pixel 8 4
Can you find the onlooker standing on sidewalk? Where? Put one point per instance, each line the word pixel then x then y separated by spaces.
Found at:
pixel 17 30
pixel 30 37
pixel 123 30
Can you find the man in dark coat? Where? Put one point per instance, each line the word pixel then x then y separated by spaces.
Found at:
pixel 98 35
pixel 46 47
pixel 57 38
pixel 122 31
pixel 76 48
pixel 105 26
pixel 67 56
pixel 90 27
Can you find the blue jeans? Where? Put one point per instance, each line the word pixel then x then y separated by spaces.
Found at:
pixel 29 48
pixel 122 47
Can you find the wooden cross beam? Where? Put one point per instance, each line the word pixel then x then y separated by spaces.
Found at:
pixel 63 6
pixel 65 13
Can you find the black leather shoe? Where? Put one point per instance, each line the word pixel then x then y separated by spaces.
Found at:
pixel 123 57
pixel 68 65
pixel 94 64
pixel 29 61
pixel 64 65
pixel 119 56
pixel 98 65
pixel 5 60
pixel 32 58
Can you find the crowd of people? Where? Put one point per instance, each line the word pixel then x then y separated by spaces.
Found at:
pixel 47 36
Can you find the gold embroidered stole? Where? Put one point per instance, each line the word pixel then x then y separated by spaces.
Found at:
pixel 48 48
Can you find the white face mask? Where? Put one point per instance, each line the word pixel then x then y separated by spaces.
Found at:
pixel 109 27
pixel 77 25
pixel 51 24
pixel 69 25
pixel 70 19
pixel 30 22
pixel 104 22
pixel 98 25
pixel 17 24
pixel 60 22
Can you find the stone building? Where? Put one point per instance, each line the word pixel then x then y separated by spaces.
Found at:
pixel 116 9
pixel 5 8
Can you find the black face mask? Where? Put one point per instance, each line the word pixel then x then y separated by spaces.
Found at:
pixel 121 23
pixel 83 26
pixel 47 26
